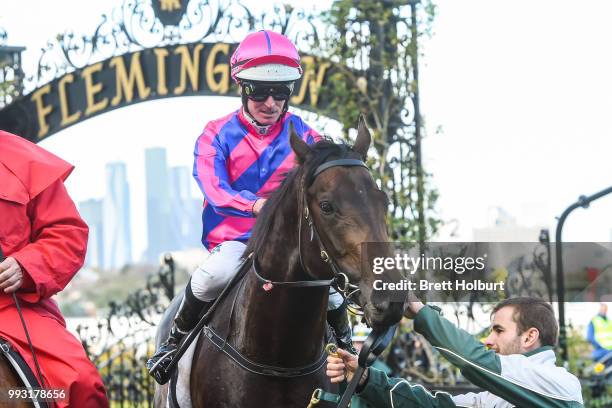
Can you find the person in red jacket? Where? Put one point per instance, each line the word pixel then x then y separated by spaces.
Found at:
pixel 44 240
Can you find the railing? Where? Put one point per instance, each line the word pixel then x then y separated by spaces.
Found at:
pixel 120 343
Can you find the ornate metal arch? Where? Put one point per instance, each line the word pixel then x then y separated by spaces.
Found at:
pixel 67 72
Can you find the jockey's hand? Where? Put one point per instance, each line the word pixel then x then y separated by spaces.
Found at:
pixel 11 275
pixel 258 205
pixel 343 366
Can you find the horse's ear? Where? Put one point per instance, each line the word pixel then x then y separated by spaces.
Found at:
pixel 362 143
pixel 299 146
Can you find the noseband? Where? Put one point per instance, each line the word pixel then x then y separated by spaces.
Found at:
pixel 340 281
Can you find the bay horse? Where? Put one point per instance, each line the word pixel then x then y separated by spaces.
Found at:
pixel 10 381
pixel 308 235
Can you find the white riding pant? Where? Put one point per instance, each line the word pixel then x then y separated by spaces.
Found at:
pixel 209 279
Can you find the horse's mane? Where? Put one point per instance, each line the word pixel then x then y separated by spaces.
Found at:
pixel 320 153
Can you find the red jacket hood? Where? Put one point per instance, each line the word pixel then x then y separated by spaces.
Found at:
pixel 34 167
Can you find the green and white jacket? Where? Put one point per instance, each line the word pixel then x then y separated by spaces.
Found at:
pixel 525 381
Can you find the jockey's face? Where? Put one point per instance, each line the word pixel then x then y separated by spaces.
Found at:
pixel 266 112
pixel 505 338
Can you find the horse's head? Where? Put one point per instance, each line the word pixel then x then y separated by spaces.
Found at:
pixel 347 209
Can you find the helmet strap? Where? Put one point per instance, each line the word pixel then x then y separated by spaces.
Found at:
pixel 245 99
pixel 245 106
pixel 285 109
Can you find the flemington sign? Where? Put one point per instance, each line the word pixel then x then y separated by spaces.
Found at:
pixel 142 73
pixel 163 72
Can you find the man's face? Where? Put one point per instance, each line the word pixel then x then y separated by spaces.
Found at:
pixel 266 112
pixel 603 309
pixel 504 338
pixel 265 101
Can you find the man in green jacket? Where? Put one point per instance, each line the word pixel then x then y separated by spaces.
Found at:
pixel 515 365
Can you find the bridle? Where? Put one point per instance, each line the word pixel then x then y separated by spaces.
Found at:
pixel 340 280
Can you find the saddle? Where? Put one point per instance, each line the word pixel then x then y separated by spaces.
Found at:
pixel 22 369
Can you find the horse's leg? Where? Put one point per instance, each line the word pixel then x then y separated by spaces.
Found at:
pixel 9 380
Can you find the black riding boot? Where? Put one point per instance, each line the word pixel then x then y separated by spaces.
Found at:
pixel 186 319
pixel 339 321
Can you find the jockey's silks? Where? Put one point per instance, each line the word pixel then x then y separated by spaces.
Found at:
pixel 234 165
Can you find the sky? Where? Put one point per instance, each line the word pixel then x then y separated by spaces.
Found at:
pixel 521 89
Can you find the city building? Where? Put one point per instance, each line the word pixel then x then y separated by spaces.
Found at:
pixel 116 217
pixel 91 211
pixel 159 239
pixel 185 222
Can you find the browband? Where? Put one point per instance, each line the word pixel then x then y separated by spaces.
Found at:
pixel 339 162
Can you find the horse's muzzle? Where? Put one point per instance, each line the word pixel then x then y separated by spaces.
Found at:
pixel 381 315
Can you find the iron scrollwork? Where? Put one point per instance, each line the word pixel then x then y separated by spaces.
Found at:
pixel 141 24
pixel 3 36
pixel 120 343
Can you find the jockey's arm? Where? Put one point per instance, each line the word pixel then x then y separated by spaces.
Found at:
pixel 210 172
pixel 58 243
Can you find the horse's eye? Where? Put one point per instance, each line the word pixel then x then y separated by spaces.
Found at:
pixel 326 207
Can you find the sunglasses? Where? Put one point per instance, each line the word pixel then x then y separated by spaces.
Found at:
pixel 260 92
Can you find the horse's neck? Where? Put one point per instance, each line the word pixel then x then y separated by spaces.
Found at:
pixel 283 326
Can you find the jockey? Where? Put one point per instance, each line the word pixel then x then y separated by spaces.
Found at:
pixel 240 159
pixel 45 240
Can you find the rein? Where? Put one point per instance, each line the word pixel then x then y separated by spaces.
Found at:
pixel 374 345
pixel 25 329
pixel 269 285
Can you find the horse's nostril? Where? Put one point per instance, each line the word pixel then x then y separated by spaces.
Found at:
pixel 381 306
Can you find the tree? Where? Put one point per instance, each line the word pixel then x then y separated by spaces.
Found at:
pixel 11 75
pixel 373 46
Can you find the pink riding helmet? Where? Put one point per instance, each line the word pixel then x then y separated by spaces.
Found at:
pixel 266 56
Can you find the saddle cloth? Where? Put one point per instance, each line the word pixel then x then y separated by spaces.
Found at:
pixel 21 368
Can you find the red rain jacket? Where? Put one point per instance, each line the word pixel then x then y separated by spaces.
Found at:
pixel 41 228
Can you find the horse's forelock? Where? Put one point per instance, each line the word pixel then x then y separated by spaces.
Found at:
pixel 322 152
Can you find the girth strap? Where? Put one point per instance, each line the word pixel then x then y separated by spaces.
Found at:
pixel 261 369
